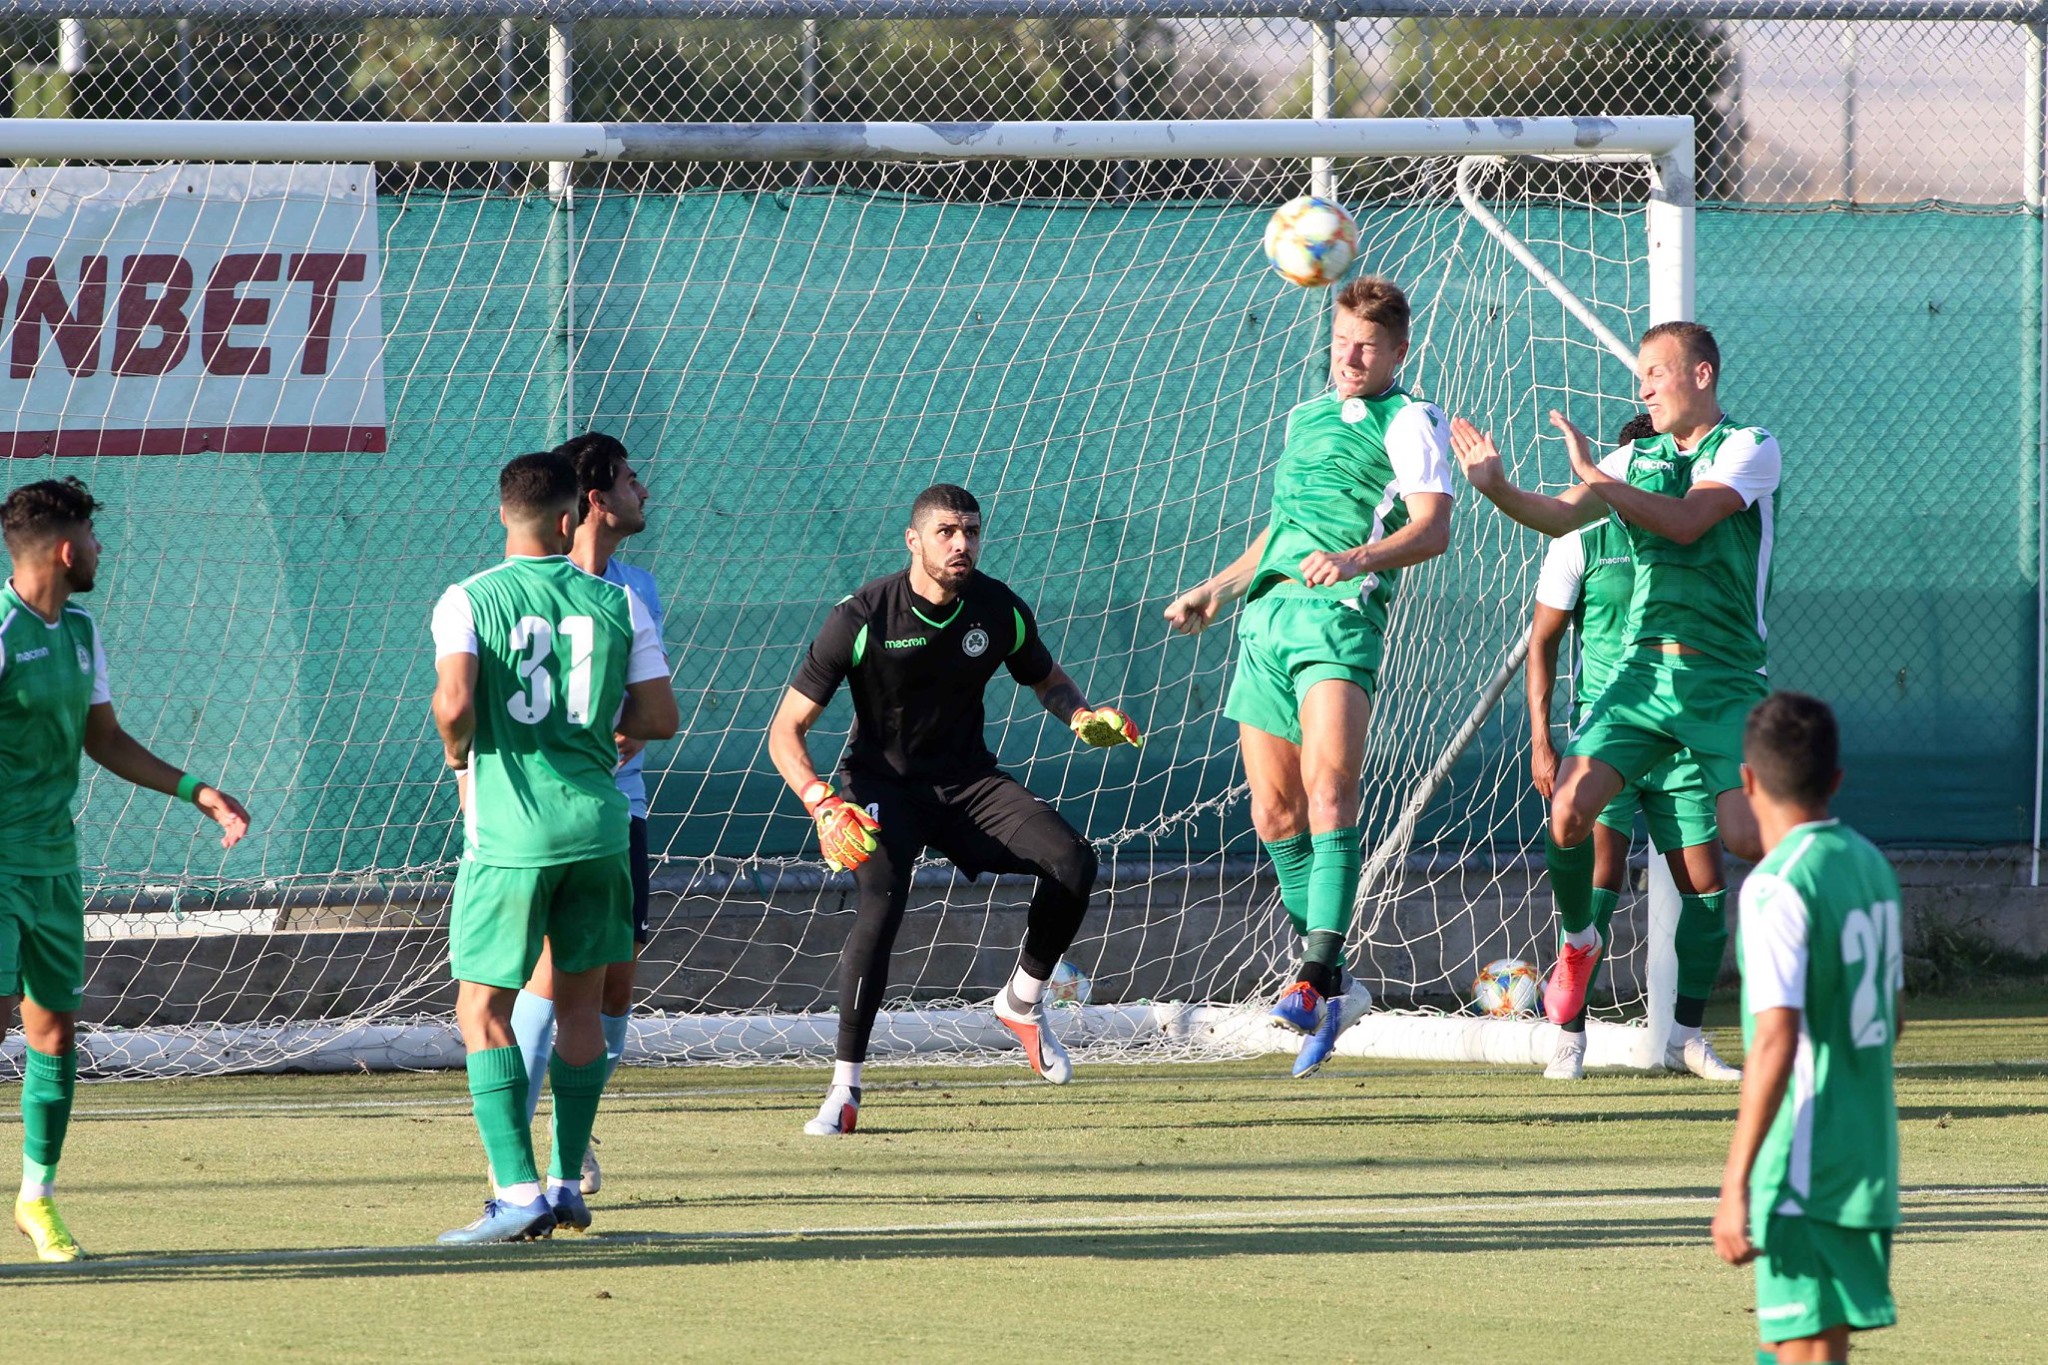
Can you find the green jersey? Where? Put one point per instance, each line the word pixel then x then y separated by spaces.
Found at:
pixel 51 673
pixel 1591 574
pixel 1345 467
pixel 1820 934
pixel 1710 594
pixel 556 648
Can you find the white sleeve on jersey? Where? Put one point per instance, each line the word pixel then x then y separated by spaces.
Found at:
pixel 1774 929
pixel 1615 462
pixel 454 624
pixel 1748 462
pixel 101 692
pixel 1419 448
pixel 647 659
pixel 1564 569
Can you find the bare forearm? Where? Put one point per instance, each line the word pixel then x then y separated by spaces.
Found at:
pixel 1539 511
pixel 1410 545
pixel 1673 518
pixel 1542 683
pixel 790 751
pixel 456 722
pixel 1229 583
pixel 1060 695
pixel 121 754
pixel 1765 1072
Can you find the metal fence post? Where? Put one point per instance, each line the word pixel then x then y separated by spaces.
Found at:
pixel 561 95
pixel 1322 99
pixel 71 50
pixel 2035 395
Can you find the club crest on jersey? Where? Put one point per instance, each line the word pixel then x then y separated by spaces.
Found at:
pixel 1353 410
pixel 84 660
pixel 975 642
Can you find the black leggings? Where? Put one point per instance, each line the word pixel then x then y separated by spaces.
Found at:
pixel 991 824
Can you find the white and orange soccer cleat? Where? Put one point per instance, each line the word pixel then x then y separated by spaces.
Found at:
pixel 838 1115
pixel 1034 1032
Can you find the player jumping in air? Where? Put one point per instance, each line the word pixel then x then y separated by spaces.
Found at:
pixel 538 664
pixel 55 704
pixel 1699 503
pixel 1811 1188
pixel 918 649
pixel 1585 584
pixel 1363 490
pixel 614 506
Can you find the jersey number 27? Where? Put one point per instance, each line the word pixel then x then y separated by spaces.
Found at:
pixel 533 640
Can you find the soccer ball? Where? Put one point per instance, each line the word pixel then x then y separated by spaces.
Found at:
pixel 1506 987
pixel 1311 241
pixel 1067 986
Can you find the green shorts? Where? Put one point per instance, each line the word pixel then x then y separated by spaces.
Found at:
pixel 1286 644
pixel 583 909
pixel 1661 703
pixel 1674 802
pixel 42 940
pixel 1811 1276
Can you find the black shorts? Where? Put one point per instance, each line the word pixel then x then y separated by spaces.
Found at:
pixel 639 863
pixel 972 823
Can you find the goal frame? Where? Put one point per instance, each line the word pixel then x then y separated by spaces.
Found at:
pixel 1665 142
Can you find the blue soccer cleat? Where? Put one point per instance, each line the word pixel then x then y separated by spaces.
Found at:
pixel 570 1210
pixel 504 1222
pixel 1339 1013
pixel 1300 1008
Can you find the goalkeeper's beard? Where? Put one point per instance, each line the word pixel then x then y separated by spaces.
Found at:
pixel 949 574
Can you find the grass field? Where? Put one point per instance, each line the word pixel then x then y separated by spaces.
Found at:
pixel 1382 1212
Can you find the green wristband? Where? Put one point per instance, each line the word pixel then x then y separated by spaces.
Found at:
pixel 188 788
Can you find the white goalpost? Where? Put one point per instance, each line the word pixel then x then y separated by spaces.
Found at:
pixel 290 358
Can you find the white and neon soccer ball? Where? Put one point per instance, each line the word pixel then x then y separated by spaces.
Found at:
pixel 1506 987
pixel 1067 986
pixel 1311 241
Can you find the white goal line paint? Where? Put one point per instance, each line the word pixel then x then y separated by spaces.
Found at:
pixel 1238 1217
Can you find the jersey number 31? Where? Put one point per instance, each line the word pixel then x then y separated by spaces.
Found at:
pixel 533 640
pixel 1870 939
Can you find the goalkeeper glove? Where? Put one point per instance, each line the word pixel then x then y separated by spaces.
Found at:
pixel 846 833
pixel 1105 727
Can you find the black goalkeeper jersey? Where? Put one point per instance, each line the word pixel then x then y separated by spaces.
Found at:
pixel 918 673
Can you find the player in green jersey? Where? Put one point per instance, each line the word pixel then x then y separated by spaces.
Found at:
pixel 1362 491
pixel 1585 585
pixel 1699 503
pixel 1811 1188
pixel 55 704
pixel 539 663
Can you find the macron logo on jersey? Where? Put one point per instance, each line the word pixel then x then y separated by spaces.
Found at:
pixel 30 655
pixel 913 642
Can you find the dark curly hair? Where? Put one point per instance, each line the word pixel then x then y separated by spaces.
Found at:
pixel 599 459
pixel 46 510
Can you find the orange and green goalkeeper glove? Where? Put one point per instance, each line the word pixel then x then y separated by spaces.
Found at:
pixel 1105 727
pixel 846 833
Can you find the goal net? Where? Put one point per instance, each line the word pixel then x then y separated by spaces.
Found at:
pixel 292 386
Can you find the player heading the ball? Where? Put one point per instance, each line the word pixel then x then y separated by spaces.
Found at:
pixel 538 663
pixel 1699 504
pixel 55 703
pixel 1811 1187
pixel 1362 491
pixel 918 649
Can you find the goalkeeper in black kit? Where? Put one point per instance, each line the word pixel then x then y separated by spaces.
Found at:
pixel 918 649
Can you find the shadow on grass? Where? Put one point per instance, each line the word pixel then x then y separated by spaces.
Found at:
pixel 1434 1225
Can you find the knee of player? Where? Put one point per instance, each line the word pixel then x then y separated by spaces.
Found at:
pixel 1567 825
pixel 1333 803
pixel 1073 866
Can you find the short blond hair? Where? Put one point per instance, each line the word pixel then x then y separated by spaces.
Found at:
pixel 1376 300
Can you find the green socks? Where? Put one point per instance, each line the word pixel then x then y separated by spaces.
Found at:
pixel 47 1086
pixel 576 1090
pixel 497 1093
pixel 1571 882
pixel 1333 881
pixel 1292 859
pixel 1701 940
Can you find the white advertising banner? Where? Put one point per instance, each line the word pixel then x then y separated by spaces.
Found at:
pixel 180 309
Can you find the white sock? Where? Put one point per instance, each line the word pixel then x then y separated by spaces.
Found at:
pixel 846 1075
pixel 1681 1034
pixel 524 1193
pixel 1588 937
pixel 1025 988
pixel 37 1189
pixel 555 1187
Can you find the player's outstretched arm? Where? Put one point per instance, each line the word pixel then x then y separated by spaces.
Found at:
pixel 1480 462
pixel 1765 1071
pixel 1099 727
pixel 1195 610
pixel 1427 535
pixel 123 755
pixel 1546 632
pixel 1684 519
